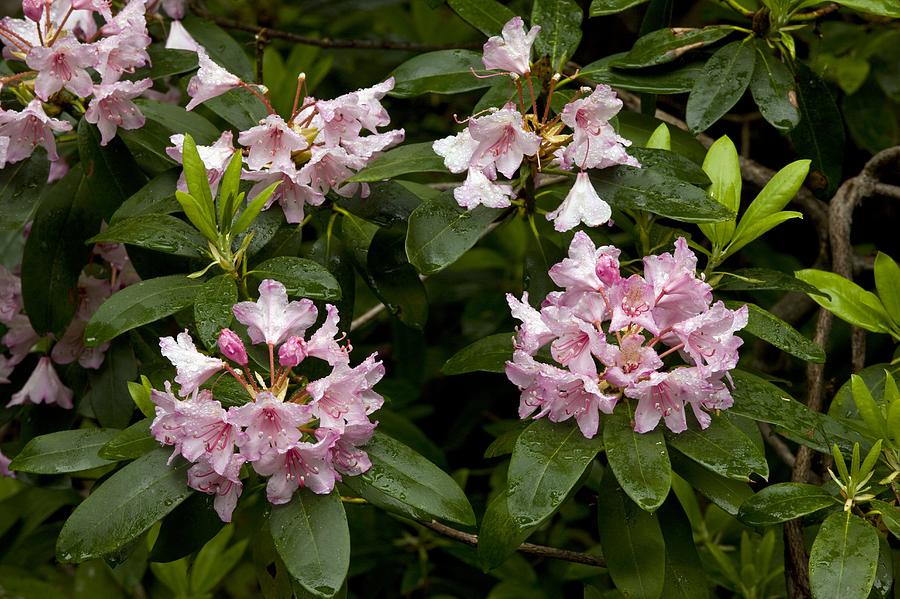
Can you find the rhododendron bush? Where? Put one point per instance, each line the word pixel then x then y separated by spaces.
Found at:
pixel 463 298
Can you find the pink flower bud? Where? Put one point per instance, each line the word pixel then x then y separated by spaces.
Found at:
pixel 292 352
pixel 33 9
pixel 232 347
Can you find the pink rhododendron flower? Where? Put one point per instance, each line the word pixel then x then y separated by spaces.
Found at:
pixel 595 144
pixel 272 319
pixel 511 51
pixel 291 194
pixel 479 190
pixel 4 149
pixel 271 143
pixel 112 107
pixel 130 18
pixel 180 39
pixel 10 295
pixel 534 332
pixel 587 267
pixel 193 368
pixel 680 293
pixel 62 66
pixel 208 433
pixel 632 302
pixel 19 338
pixel 43 386
pixel 28 129
pixel 4 466
pixel 271 424
pixel 119 54
pixel 299 465
pixel 582 205
pixel 210 81
pixel 98 6
pixel 345 396
pixel 502 140
pixel 709 337
pixel 232 347
pixel 346 455
pixel 34 9
pixel 227 486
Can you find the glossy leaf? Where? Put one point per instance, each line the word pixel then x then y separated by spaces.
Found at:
pixel 63 451
pixel 220 46
pixel 489 354
pixel 637 563
pixel 638 128
pixel 726 76
pixel 760 279
pixel 726 493
pixel 123 507
pixel 652 81
pixel 156 197
pixel 441 72
pixel 724 170
pixel 547 462
pixel 389 203
pixel 186 529
pixel 847 300
pixel 685 577
pixel 487 16
pixel 784 501
pixel 820 133
pixel 887 282
pixel 440 231
pixel 639 460
pixel 723 448
pixel 884 8
pixel 212 308
pixel 600 8
pixel 890 516
pixel 20 190
pixel 667 162
pixel 776 194
pixel 159 232
pixel 313 540
pixel 131 443
pixel 165 62
pixel 409 158
pixel 394 280
pixel 239 107
pixel 140 304
pixel 499 535
pixel 768 327
pixel 109 398
pixel 774 90
pixel 665 45
pixel 301 277
pixel 403 482
pixel 560 22
pixel 844 558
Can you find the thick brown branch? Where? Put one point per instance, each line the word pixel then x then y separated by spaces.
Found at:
pixel 528 548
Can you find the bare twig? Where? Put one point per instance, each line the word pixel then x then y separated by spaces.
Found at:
pixel 528 548
pixel 366 317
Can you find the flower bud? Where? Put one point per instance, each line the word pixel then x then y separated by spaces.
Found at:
pixel 232 347
pixel 33 9
pixel 292 352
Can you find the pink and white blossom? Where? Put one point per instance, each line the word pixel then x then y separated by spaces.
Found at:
pixel 272 319
pixel 226 486
pixel 271 143
pixel 112 108
pixel 582 205
pixel 210 81
pixel 180 39
pixel 214 157
pixel 709 338
pixel 271 424
pixel 478 190
pixel 511 51
pixel 192 367
pixel 346 396
pixel 62 66
pixel 29 128
pixel 533 332
pixel 587 267
pixel 300 464
pixel 10 295
pixel 43 386
pixel 232 347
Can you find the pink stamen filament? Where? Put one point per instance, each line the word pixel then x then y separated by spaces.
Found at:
pixel 671 350
pixel 252 89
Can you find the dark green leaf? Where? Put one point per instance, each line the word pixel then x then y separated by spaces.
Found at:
pixel 560 22
pixel 109 398
pixel 499 535
pixel 725 78
pixel 665 45
pixel 890 516
pixel 313 540
pixel 652 80
pixel 685 577
pixel 759 279
pixel 441 72
pixel 159 232
pixel 65 451
pixel 410 158
pixel 389 203
pixel 768 327
pixel 165 63
pixel 774 90
pixel 547 462
pixel 784 501
pixel 123 507
pixel 220 46
pixel 844 558
pixel 20 189
pixel 156 197
pixel 639 460
pixel 212 308
pixel 239 107
pixel 131 443
pixel 639 127
pixel 394 280
pixel 488 355
pixel 610 7
pixel 139 304
pixel 148 144
pixel 870 118
pixel 726 493
pixel 626 187
pixel 636 557
pixel 440 231
pixel 884 8
pixel 402 481
pixel 186 529
pixel 723 448
pixel 671 164
pixel 487 16
pixel 302 277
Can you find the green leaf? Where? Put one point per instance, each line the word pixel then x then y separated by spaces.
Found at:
pixel 776 194
pixel 489 354
pixel 148 143
pixel 440 231
pixel 156 197
pixel 212 308
pixel 726 493
pixel 140 304
pixel 403 482
pixel 547 462
pixel 784 501
pixel 844 558
pixel 724 170
pixel 759 279
pixel 774 90
pixel 760 227
pixel 685 577
pixel 229 190
pixel 197 214
pixel 639 460
pixel 123 507
pixel 254 207
pixel 890 515
pixel 441 72
pixel 560 22
pixel 239 108
pixel 626 187
pixel 165 63
pixel 847 300
pixel 313 540
pixel 20 189
pixel 768 327
pixel 868 410
pixel 220 46
pixel 301 277
pixel 726 76
pixel 140 395
pixel 196 179
pixel 636 557
pixel 409 158
pixel 487 16
pixel 131 443
pixel 651 81
pixel 186 529
pixel 600 8
pixel 159 232
pixel 393 279
pixel 64 451
pixel 723 448
pixel 884 8
pixel 665 45
pixel 661 138
pixel 638 128
pixel 820 133
pixel 109 399
pixel 389 203
pixel 869 116
pixel 887 282
pixel 667 162
pixel 499 535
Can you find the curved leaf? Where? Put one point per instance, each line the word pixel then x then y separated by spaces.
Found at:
pixel 774 90
pixel 441 72
pixel 784 501
pixel 844 558
pixel 725 78
pixel 410 158
pixel 847 300
pixel 302 277
pixel 651 81
pixel 488 355
pixel 560 22
pixel 639 460
pixel 723 448
pixel 487 16
pixel 64 451
pixel 665 45
pixel 159 232
pixel 768 327
pixel 212 308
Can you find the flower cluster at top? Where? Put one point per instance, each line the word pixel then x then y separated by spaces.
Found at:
pixel 315 150
pixel 60 43
pixel 299 433
pixel 110 270
pixel 666 311
pixel 502 139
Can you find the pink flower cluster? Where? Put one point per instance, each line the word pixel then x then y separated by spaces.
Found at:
pixel 669 306
pixel 59 41
pixel 297 432
pixel 314 151
pixel 20 339
pixel 501 140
